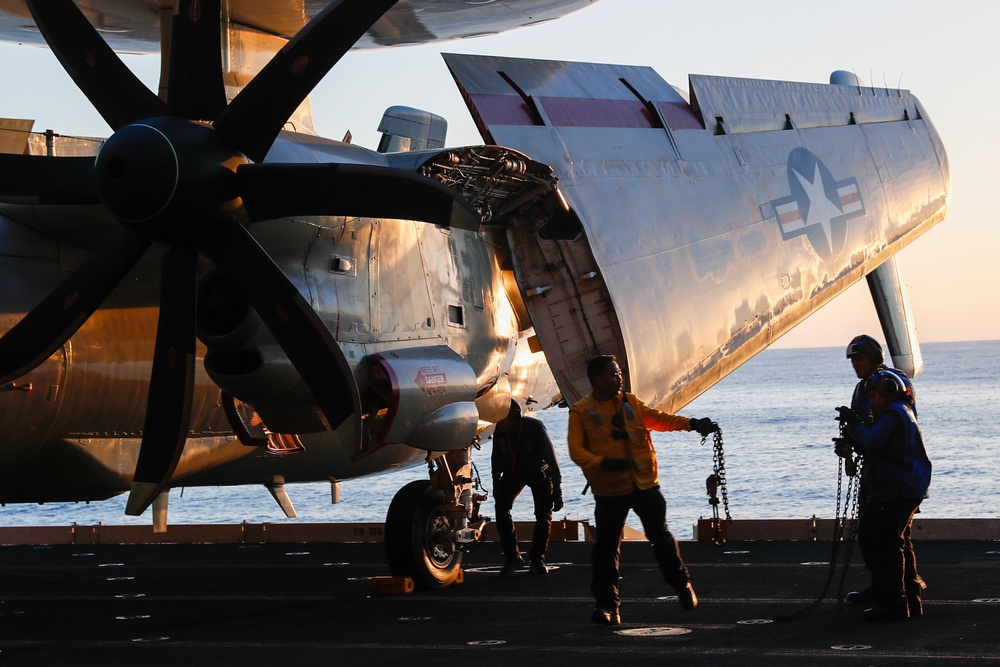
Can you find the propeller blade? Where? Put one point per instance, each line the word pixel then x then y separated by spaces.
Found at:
pixel 253 119
pixel 52 322
pixel 279 190
pixel 36 179
pixel 117 94
pixel 291 320
pixel 171 386
pixel 195 87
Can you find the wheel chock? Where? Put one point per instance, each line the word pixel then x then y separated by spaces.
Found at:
pixel 390 585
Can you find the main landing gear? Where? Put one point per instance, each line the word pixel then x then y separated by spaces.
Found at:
pixel 431 522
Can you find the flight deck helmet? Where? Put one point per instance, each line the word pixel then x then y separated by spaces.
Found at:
pixel 887 383
pixel 868 346
pixel 909 394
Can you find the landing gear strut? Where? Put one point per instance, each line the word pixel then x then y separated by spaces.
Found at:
pixel 428 527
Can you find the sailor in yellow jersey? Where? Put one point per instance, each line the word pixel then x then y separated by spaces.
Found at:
pixel 609 439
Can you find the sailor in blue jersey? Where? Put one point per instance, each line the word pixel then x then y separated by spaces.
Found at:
pixel 867 358
pixel 896 476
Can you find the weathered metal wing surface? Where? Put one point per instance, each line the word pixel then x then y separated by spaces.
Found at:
pixel 135 26
pixel 708 229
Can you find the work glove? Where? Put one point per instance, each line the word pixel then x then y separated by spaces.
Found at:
pixel 557 499
pixel 615 465
pixel 842 447
pixel 848 416
pixel 704 426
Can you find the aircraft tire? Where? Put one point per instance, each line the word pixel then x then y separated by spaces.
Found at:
pixel 418 541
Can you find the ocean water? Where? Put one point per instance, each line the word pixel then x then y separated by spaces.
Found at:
pixel 777 415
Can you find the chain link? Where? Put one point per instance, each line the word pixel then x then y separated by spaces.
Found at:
pixel 850 506
pixel 852 499
pixel 719 468
pixel 719 475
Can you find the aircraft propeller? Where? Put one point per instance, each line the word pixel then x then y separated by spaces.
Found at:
pixel 181 172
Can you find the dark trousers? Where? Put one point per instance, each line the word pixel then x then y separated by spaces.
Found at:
pixel 505 491
pixel 610 513
pixel 885 539
pixel 869 551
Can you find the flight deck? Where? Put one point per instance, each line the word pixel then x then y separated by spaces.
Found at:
pixel 313 603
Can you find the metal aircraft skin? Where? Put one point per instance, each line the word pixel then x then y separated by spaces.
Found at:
pixel 358 311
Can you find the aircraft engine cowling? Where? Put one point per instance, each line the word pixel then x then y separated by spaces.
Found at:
pixel 244 360
pixel 428 395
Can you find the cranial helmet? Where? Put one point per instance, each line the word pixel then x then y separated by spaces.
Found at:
pixel 866 345
pixel 886 383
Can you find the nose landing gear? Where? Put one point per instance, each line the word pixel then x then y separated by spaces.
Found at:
pixel 427 529
pixel 419 538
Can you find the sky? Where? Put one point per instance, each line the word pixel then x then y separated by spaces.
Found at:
pixel 945 53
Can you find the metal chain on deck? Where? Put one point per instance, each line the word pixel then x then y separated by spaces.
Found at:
pixel 850 505
pixel 853 494
pixel 716 481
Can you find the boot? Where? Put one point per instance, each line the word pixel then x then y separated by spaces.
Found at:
pixel 881 612
pixel 687 597
pixel 537 566
pixel 511 565
pixel 860 597
pixel 602 616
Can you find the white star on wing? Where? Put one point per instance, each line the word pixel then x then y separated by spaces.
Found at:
pixel 821 209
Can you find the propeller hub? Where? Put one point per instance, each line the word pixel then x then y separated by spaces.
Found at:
pixel 167 179
pixel 137 173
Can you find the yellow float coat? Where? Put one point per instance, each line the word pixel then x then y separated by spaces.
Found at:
pixel 591 440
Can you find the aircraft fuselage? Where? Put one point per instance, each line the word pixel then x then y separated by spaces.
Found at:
pixel 384 287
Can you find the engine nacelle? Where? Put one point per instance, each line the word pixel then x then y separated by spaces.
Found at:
pixel 244 360
pixel 430 394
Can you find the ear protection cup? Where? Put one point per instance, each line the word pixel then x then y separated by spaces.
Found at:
pixel 865 344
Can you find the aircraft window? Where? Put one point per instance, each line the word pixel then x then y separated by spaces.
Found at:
pixel 456 315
